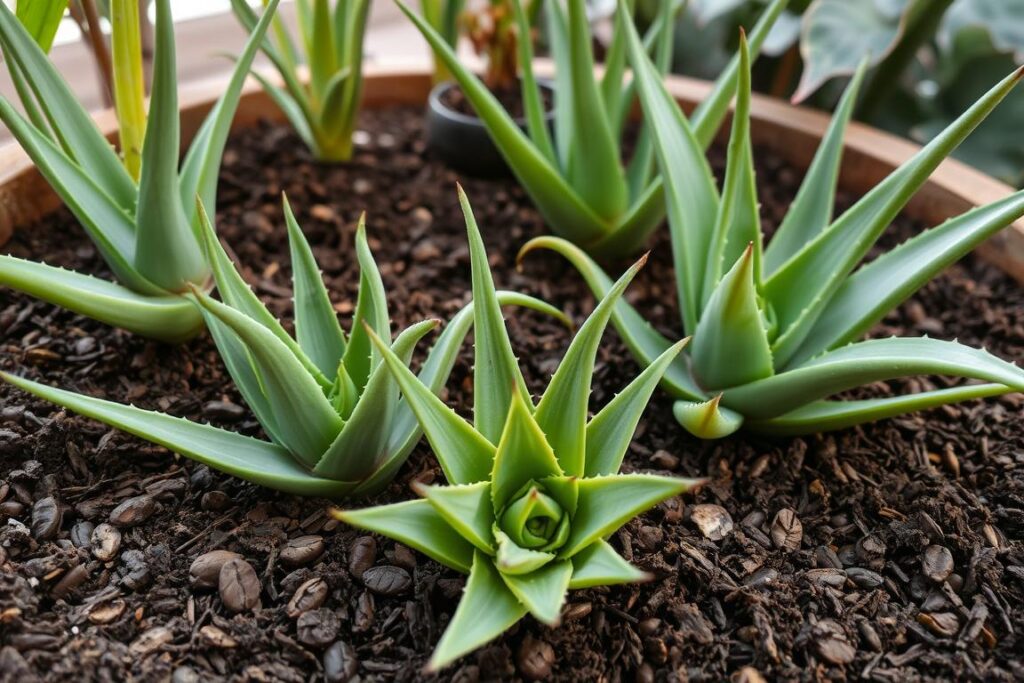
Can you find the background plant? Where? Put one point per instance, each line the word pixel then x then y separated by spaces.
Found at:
pixel 322 111
pixel 443 17
pixel 533 489
pixel 577 177
pixel 331 409
pixel 146 231
pixel 929 60
pixel 495 33
pixel 776 329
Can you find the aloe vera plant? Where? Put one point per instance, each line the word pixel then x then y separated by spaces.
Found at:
pixel 534 489
pixel 147 232
pixel 326 400
pixel 443 17
pixel 776 330
pixel 323 111
pixel 576 176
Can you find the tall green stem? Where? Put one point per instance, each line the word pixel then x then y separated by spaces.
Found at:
pixel 129 82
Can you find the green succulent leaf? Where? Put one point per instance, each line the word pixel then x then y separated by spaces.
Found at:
pixel 307 422
pixel 543 591
pixel 606 503
pixel 371 314
pixel 487 609
pixel 599 565
pixel 241 456
pixel 730 346
pixel 496 373
pixel 316 324
pixel 360 446
pixel 467 509
pixel 562 412
pixel 870 361
pixel 41 19
pixel 610 432
pixel 418 525
pixel 523 455
pixel 464 455
pixel 533 104
pixel 558 36
pixel 514 560
pixel 707 419
pixel 172 319
pixel 823 416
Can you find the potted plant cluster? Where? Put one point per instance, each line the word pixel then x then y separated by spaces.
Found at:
pixel 276 509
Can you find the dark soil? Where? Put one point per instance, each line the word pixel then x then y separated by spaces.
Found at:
pixel 892 552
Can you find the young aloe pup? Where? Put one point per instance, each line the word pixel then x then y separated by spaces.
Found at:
pixel 534 490
pixel 147 230
pixel 776 330
pixel 577 177
pixel 325 399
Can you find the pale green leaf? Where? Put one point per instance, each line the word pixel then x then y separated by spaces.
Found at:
pixel 599 565
pixel 707 419
pixel 513 560
pixel 543 591
pixel 371 313
pixel 533 104
pixel 467 509
pixel 523 455
pixel 41 19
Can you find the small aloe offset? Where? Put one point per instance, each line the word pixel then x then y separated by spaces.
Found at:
pixel 331 409
pixel 323 112
pixel 576 175
pixel 776 330
pixel 534 490
pixel 147 231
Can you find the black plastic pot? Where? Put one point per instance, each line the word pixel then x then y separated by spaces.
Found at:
pixel 462 141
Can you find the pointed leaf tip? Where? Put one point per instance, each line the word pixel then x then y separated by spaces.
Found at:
pixel 707 420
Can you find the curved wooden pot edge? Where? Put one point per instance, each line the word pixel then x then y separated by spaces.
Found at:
pixel 791 131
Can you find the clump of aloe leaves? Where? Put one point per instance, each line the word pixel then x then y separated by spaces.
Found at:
pixel 332 410
pixel 142 218
pixel 534 489
pixel 777 330
pixel 575 174
pixel 323 110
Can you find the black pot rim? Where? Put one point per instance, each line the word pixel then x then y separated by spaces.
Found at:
pixel 435 103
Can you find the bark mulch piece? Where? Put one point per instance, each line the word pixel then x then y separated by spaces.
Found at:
pixel 889 552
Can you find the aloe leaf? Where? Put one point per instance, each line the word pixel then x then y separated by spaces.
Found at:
pixel 563 410
pixel 316 323
pixel 645 215
pixel 25 94
pixel 171 319
pixel 107 225
pixel 689 186
pixel 612 91
pixel 610 432
pixel 870 361
pixel 811 211
pixel 606 503
pixel 334 99
pixel 595 170
pixel 822 416
pixel 707 419
pixel 360 445
pixel 709 114
pixel 801 289
pixel 129 83
pixel 290 107
pixel 536 121
pixel 558 37
pixel 166 249
pixel 487 609
pixel 416 524
pixel 730 346
pixel 70 122
pixel 564 490
pixel 257 461
pixel 356 14
pixel 644 342
pixel 344 393
pixel 737 231
pixel 467 509
pixel 882 285
pixel 514 560
pixel 236 293
pixel 306 420
pixel 464 455
pixel 561 206
pixel 543 591
pixel 599 565
pixel 41 19
pixel 322 58
pixel 201 167
pixel 371 313
pixel 496 373
pixel 523 454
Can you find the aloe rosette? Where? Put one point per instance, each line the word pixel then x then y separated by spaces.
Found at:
pixel 332 410
pixel 323 110
pixel 534 490
pixel 575 174
pixel 146 231
pixel 775 330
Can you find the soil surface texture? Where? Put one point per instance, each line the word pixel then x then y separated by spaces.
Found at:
pixel 891 552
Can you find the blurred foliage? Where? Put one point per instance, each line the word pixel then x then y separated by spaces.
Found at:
pixel 929 59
